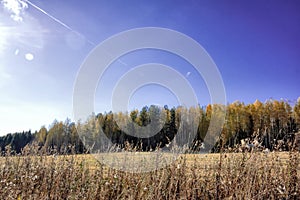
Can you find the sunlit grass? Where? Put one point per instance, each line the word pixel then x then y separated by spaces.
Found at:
pixel 257 175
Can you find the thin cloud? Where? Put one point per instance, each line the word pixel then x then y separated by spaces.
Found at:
pixel 4 35
pixel 5 77
pixel 24 35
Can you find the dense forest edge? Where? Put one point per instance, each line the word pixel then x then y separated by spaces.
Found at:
pixel 273 125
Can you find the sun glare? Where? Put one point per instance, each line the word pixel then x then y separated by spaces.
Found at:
pixel 15 8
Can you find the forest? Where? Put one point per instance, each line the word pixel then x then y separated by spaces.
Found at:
pixel 272 124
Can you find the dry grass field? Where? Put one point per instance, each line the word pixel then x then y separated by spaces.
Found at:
pixel 275 175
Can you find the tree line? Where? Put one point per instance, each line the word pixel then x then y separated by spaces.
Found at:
pixel 273 124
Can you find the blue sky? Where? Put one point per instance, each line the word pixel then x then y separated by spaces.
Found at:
pixel 255 44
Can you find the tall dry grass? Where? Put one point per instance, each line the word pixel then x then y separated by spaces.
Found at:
pixel 33 175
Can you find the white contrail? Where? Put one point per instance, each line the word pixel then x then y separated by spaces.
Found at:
pixel 59 21
pixel 66 26
pixel 52 17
